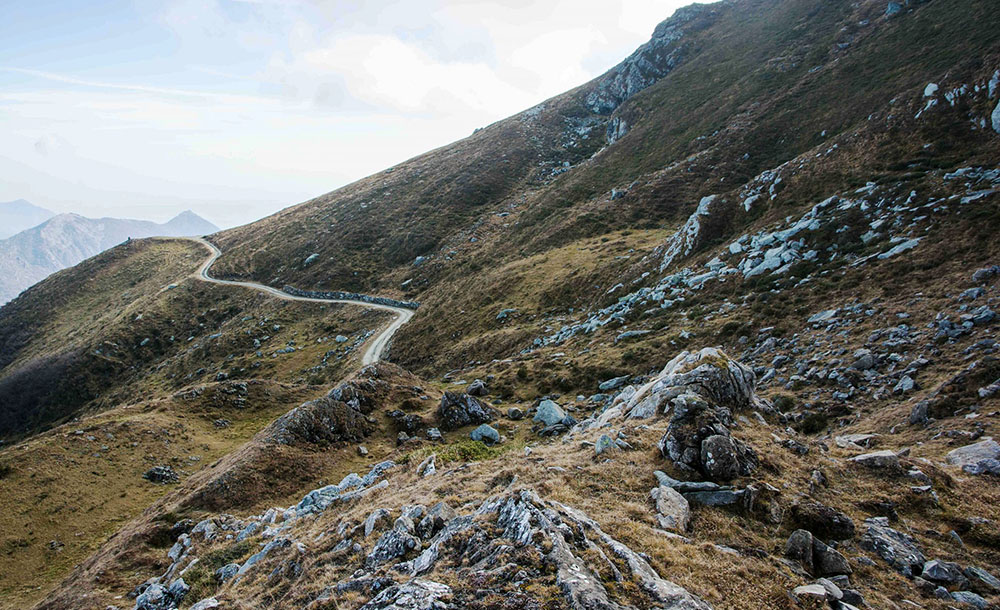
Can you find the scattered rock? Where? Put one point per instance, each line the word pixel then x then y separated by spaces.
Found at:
pixel 898 549
pixel 603 444
pixel 161 475
pixel 476 388
pixel 485 433
pixel 549 413
pixel 674 512
pixel 881 460
pixel 971 599
pixel 823 521
pixel 981 581
pixel 458 410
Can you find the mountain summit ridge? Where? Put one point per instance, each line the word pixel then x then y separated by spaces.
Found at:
pixel 64 240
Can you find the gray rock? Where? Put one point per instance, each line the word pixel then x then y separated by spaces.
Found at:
pixel 942 572
pixel 674 512
pixel 226 572
pixel 549 413
pixel 722 497
pixel 433 434
pixel 828 561
pixel 823 521
pixel 277 543
pixel 982 316
pixel 898 549
pixel 920 413
pixel 485 433
pixel 719 458
pixel 206 604
pixel 428 466
pixel 416 594
pixel 905 385
pixel 613 384
pixel 987 449
pixel 800 548
pixel 397 542
pixel 971 599
pixel 986 273
pixel 603 444
pixel 158 597
pixel 859 440
pixel 435 519
pixel 161 475
pixel 893 8
pixel 476 388
pixel 981 581
pixel 458 410
pixel 810 593
pixel 881 460
pixel 376 517
pixel 515 414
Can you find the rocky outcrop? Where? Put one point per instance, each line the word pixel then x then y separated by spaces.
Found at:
pixel 319 421
pixel 458 410
pixel 899 550
pixel 650 62
pixel 510 539
pixel 704 390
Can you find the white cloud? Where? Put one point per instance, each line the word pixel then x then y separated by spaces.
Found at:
pixel 272 100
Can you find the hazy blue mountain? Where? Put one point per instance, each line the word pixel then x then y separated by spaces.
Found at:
pixel 18 215
pixel 66 239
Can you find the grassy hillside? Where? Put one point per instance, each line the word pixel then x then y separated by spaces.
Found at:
pixel 786 186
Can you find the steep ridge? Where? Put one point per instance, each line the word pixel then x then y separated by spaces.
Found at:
pixel 67 239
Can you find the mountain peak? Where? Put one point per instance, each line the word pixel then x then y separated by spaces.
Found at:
pixel 189 223
pixel 21 214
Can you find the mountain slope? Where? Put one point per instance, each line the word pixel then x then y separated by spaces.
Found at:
pixel 67 239
pixel 16 216
pixel 731 306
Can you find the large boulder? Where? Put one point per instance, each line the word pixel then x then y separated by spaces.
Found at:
pixel 458 410
pixel 698 440
pixel 970 457
pixel 549 413
pixel 486 434
pixel 703 390
pixel 321 421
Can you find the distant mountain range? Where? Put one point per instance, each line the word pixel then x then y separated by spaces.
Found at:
pixel 64 240
pixel 16 216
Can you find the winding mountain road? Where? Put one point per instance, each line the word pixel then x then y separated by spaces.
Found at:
pixel 376 346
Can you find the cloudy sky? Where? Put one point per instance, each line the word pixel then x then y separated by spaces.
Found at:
pixel 235 109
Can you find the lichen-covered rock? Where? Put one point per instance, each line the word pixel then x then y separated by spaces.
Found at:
pixel 321 421
pixel 458 410
pixel 703 390
pixel 397 542
pixel 158 597
pixel 673 510
pixel 650 62
pixel 416 594
pixel 898 549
